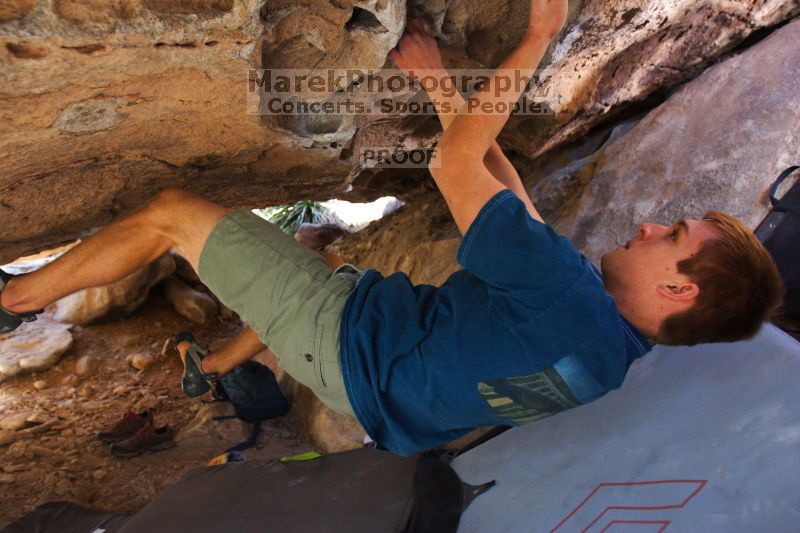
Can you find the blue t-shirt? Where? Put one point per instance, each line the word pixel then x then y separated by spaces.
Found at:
pixel 524 331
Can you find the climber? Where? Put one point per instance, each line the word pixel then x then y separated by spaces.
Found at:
pixel 527 329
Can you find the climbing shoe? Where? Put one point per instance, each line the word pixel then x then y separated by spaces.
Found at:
pixel 126 427
pixel 194 382
pixel 10 321
pixel 148 439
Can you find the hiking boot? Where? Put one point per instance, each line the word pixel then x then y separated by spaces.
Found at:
pixel 10 321
pixel 194 381
pixel 126 427
pixel 148 438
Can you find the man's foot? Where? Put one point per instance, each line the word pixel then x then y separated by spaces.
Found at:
pixel 194 382
pixel 126 427
pixel 10 321
pixel 148 438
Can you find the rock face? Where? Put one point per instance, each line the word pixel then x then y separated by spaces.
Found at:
pixel 716 144
pixel 33 347
pixel 107 102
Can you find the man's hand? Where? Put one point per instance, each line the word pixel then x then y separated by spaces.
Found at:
pixel 547 18
pixel 417 52
pixel 418 56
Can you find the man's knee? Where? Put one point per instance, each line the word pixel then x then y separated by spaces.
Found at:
pixel 184 218
pixel 169 199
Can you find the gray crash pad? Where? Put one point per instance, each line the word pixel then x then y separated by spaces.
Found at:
pixel 705 438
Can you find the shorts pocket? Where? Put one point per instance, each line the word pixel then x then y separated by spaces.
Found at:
pixel 319 355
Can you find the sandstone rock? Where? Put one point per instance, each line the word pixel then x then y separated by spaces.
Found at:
pixel 15 422
pixel 86 391
pixel 38 417
pixel 41 451
pixel 115 300
pixel 19 450
pixel 40 384
pixel 90 116
pixel 27 50
pixel 195 305
pixel 140 361
pixel 177 130
pixel 7 436
pixel 86 12
pixel 318 236
pixel 717 143
pixel 85 366
pixel 190 6
pixel 33 347
pixel 14 9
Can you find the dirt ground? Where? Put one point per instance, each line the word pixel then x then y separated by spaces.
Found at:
pixel 61 459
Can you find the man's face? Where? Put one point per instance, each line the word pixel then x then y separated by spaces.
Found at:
pixel 649 260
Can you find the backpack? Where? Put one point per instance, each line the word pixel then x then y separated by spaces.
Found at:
pixel 253 391
pixel 779 232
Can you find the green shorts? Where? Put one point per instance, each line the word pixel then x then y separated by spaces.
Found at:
pixel 287 293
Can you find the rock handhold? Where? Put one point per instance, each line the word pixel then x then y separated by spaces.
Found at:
pixel 89 116
pixel 33 347
pixel 197 306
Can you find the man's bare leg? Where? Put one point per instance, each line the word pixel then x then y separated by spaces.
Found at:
pixel 174 219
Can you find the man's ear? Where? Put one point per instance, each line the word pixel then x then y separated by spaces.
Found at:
pixel 683 292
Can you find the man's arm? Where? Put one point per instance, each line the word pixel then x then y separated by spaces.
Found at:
pixel 458 166
pixel 418 56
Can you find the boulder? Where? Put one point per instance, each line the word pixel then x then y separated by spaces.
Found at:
pixel 716 144
pixel 104 152
pixel 34 346
pixel 115 300
pixel 197 306
pixel 84 367
pixel 140 361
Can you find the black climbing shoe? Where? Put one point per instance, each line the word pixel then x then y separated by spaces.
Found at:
pixel 194 382
pixel 10 321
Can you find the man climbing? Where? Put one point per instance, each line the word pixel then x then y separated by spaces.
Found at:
pixel 528 328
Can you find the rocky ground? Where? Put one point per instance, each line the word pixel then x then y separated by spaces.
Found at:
pixel 51 418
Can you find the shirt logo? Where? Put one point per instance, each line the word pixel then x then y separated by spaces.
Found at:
pixel 523 399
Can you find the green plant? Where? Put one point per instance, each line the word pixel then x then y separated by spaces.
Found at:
pixel 289 217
